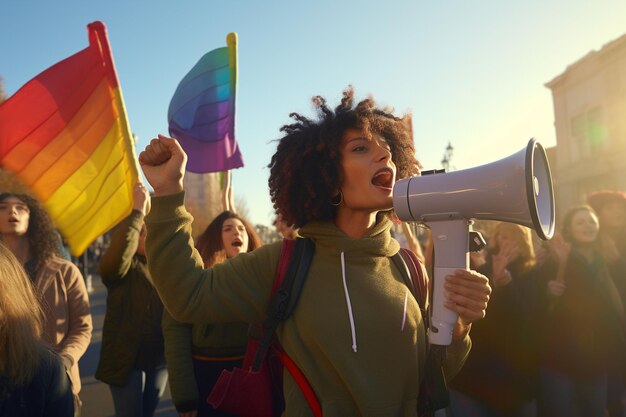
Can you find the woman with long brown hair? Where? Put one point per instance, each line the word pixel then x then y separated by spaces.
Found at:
pixel 28 232
pixel 33 381
pixel 196 354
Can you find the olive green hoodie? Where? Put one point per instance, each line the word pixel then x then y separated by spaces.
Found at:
pixel 357 333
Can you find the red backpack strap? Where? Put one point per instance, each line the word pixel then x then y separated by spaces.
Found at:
pixel 418 275
pixel 286 255
pixel 277 305
pixel 302 382
pixel 286 252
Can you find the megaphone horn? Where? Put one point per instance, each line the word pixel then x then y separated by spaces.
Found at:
pixel 516 189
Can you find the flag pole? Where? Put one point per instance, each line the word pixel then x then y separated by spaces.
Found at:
pixel 232 43
pixel 98 38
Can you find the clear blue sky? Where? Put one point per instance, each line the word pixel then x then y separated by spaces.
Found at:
pixel 472 73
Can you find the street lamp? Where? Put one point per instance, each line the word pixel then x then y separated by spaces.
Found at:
pixel 447 156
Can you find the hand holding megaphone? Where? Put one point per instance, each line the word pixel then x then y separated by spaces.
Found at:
pixel 516 189
pixel 467 295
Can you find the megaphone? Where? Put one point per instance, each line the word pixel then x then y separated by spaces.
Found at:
pixel 516 189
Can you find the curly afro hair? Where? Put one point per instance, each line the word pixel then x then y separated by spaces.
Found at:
pixel 305 171
pixel 42 237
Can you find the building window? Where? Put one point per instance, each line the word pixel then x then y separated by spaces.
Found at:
pixel 588 185
pixel 588 133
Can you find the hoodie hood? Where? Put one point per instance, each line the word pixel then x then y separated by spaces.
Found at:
pixel 378 242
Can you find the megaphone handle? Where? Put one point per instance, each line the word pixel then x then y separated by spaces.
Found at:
pixel 451 241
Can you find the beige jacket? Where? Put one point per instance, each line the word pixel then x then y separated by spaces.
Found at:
pixel 65 303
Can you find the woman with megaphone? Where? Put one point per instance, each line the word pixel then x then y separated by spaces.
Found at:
pixel 356 334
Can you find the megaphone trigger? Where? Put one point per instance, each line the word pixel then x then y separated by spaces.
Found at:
pixel 476 241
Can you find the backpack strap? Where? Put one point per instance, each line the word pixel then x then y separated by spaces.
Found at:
pixel 295 259
pixel 415 275
pixel 302 382
pixel 304 256
pixel 419 277
pixel 293 266
pixel 433 393
pixel 286 251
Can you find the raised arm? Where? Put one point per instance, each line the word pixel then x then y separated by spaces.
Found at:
pixel 117 259
pixel 236 290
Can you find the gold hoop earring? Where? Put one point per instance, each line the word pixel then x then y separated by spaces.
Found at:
pixel 332 203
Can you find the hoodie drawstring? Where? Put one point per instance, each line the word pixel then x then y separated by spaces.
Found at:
pixel 345 289
pixel 406 298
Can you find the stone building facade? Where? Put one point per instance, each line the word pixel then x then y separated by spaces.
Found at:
pixel 589 100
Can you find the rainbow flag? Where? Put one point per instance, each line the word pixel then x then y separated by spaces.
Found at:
pixel 201 114
pixel 66 136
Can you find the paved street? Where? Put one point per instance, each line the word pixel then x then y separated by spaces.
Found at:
pixel 97 401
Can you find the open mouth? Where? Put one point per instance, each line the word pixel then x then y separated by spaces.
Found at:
pixel 237 243
pixel 383 178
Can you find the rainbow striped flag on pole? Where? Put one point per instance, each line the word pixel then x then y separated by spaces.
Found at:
pixel 201 114
pixel 65 134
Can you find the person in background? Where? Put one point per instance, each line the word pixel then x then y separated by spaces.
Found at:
pixel 33 381
pixel 132 360
pixel 284 229
pixel 63 250
pixel 610 205
pixel 27 230
pixel 356 332
pixel 503 356
pixel 197 354
pixel 582 322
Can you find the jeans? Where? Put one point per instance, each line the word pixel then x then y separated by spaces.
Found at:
pixel 563 396
pixel 141 394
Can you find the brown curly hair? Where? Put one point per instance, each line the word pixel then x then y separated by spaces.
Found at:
pixel 43 239
pixel 305 171
pixel 210 244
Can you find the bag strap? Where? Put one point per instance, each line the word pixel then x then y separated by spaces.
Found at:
pixel 418 276
pixel 295 259
pixel 302 382
pixel 433 393
pixel 286 251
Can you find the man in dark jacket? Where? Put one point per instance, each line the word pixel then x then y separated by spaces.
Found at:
pixel 132 340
